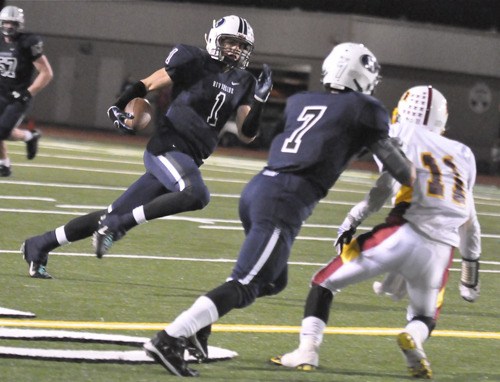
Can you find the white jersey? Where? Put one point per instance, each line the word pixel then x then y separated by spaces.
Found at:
pixel 441 203
pixel 441 199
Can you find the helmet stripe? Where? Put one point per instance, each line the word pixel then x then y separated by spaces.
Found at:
pixel 242 28
pixel 429 104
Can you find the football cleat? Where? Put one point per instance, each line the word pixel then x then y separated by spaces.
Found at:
pixel 32 145
pixel 102 240
pixel 106 235
pixel 5 170
pixel 197 344
pixel 35 268
pixel 38 271
pixel 418 364
pixel 169 352
pixel 298 359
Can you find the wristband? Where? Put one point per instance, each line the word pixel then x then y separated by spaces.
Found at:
pixel 469 275
pixel 250 126
pixel 138 89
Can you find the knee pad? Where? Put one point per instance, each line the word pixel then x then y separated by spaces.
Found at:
pixel 230 295
pixel 428 321
pixel 198 196
pixel 275 287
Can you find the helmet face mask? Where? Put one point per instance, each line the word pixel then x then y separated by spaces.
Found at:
pixel 424 106
pixel 231 41
pixel 351 66
pixel 11 20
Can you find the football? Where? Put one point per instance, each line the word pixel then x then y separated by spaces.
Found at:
pixel 142 111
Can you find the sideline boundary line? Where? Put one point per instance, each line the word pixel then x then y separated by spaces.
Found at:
pixel 232 328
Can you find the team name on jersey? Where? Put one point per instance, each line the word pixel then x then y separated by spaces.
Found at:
pixel 223 87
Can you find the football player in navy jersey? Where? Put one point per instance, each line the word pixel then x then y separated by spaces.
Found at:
pixel 21 56
pixel 207 88
pixel 323 132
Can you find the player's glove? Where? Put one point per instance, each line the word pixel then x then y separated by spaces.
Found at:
pixel 264 84
pixel 118 118
pixel 469 280
pixel 22 96
pixel 345 233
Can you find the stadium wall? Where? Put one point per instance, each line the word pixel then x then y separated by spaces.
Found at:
pixel 95 45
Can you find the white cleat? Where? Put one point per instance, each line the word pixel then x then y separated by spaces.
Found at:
pixel 416 360
pixel 298 359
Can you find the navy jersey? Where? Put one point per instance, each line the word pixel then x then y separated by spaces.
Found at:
pixel 204 97
pixel 323 132
pixel 16 61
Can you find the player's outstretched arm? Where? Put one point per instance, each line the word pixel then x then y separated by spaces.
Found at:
pixel 248 117
pixel 395 162
pixel 373 201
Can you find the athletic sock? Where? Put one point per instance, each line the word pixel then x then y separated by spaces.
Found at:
pixel 419 331
pixel 311 333
pixel 202 313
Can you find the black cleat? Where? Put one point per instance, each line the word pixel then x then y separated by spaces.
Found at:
pixel 107 233
pixel 32 145
pixel 102 240
pixel 169 352
pixel 36 269
pixel 5 170
pixel 197 344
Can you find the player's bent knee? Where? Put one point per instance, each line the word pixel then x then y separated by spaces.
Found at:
pixel 231 295
pixel 196 197
pixel 273 288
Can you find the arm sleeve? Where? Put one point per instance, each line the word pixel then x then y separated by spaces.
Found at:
pixel 250 126
pixel 470 237
pixel 138 89
pixel 470 232
pixel 374 199
pixel 393 159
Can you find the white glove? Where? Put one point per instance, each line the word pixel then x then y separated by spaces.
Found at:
pixel 393 285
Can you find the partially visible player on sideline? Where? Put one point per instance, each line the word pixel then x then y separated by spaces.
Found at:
pixel 416 241
pixel 208 87
pixel 21 55
pixel 323 132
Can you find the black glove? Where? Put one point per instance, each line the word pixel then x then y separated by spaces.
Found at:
pixel 344 238
pixel 264 84
pixel 22 96
pixel 345 233
pixel 118 118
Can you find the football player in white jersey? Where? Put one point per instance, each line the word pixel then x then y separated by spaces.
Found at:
pixel 416 242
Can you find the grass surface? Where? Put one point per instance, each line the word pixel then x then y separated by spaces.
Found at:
pixel 159 268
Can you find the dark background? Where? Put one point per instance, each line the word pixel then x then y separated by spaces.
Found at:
pixel 473 14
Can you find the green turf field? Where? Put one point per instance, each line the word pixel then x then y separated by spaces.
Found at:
pixel 159 268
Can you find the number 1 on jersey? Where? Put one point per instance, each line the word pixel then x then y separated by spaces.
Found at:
pixel 219 101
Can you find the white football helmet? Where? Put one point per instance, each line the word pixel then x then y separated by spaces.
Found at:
pixel 353 66
pixel 423 105
pixel 233 27
pixel 13 15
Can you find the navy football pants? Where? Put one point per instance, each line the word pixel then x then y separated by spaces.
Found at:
pixel 272 210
